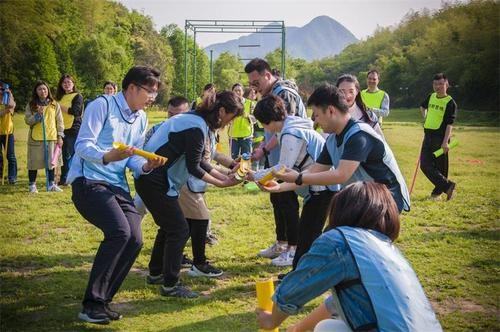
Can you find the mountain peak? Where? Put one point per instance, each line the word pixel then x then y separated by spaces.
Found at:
pixel 323 36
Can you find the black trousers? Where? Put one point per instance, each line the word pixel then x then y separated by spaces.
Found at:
pixel 198 233
pixel 435 169
pixel 286 216
pixel 112 210
pixel 312 222
pixel 166 256
pixel 68 150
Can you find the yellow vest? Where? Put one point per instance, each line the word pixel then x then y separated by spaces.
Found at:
pixel 49 114
pixel 66 101
pixel 6 124
pixel 242 126
pixel 372 99
pixel 435 111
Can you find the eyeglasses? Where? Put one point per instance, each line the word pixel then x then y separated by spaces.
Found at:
pixel 152 94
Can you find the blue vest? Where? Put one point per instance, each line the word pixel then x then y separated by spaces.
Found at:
pixel 397 298
pixel 194 184
pixel 295 126
pixel 177 172
pixel 360 174
pixel 115 129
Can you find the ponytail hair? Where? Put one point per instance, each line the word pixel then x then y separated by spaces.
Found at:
pixel 359 101
pixel 209 109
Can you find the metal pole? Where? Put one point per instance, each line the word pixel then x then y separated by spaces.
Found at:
pixel 194 64
pixel 211 66
pixel 185 62
pixel 283 51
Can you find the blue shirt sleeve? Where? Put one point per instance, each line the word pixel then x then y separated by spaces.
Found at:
pixel 320 269
pixel 92 124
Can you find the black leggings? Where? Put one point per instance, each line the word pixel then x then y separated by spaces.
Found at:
pixel 198 232
pixel 32 175
pixel 286 216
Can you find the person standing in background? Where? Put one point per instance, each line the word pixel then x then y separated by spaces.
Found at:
pixel 375 99
pixel 7 135
pixel 71 103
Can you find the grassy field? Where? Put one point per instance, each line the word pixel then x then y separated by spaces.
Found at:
pixel 47 248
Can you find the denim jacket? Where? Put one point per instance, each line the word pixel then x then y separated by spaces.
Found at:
pixel 327 264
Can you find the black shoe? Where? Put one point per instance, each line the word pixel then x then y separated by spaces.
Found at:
pixel 113 315
pixel 94 315
pixel 450 193
pixel 205 270
pixel 281 276
pixel 186 262
pixel 211 239
pixel 179 290
pixel 154 280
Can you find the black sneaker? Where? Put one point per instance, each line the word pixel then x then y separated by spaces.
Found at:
pixel 186 262
pixel 154 280
pixel 450 193
pixel 211 239
pixel 94 315
pixel 179 290
pixel 281 276
pixel 205 270
pixel 113 315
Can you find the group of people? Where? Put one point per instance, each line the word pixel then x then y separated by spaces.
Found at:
pixel 339 163
pixel 54 123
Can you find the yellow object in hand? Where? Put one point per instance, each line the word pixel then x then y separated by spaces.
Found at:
pixel 278 169
pixel 139 152
pixel 265 290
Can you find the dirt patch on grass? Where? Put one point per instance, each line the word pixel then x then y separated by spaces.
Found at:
pixel 449 306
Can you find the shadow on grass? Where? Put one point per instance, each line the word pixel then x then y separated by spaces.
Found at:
pixel 229 322
pixel 50 300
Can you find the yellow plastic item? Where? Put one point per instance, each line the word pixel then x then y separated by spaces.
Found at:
pixel 245 167
pixel 139 152
pixel 265 290
pixel 270 176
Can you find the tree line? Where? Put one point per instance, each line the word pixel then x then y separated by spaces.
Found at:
pixel 95 41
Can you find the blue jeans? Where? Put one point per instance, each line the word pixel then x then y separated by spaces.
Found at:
pixel 11 157
pixel 240 146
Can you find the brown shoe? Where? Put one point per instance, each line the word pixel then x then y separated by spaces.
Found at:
pixel 450 193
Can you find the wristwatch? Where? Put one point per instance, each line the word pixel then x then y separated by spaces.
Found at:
pixel 298 180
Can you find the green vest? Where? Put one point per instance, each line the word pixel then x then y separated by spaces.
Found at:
pixel 242 126
pixel 435 111
pixel 373 99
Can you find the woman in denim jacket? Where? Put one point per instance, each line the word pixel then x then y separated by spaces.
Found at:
pixel 374 287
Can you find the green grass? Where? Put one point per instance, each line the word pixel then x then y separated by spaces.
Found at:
pixel 47 248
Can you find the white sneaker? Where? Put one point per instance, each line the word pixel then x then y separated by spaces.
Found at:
pixel 55 188
pixel 33 189
pixel 285 259
pixel 273 251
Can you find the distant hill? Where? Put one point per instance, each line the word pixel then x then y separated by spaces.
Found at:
pixel 321 37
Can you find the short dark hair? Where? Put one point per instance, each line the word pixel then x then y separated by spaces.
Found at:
pixel 368 205
pixel 34 96
pixel 257 64
pixel 141 75
pixel 373 71
pixel 208 86
pixel 113 84
pixel 326 95
pixel 209 109
pixel 235 85
pixel 60 91
pixel 440 76
pixel 270 108
pixel 177 101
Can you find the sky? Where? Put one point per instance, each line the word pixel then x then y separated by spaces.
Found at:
pixel 361 17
